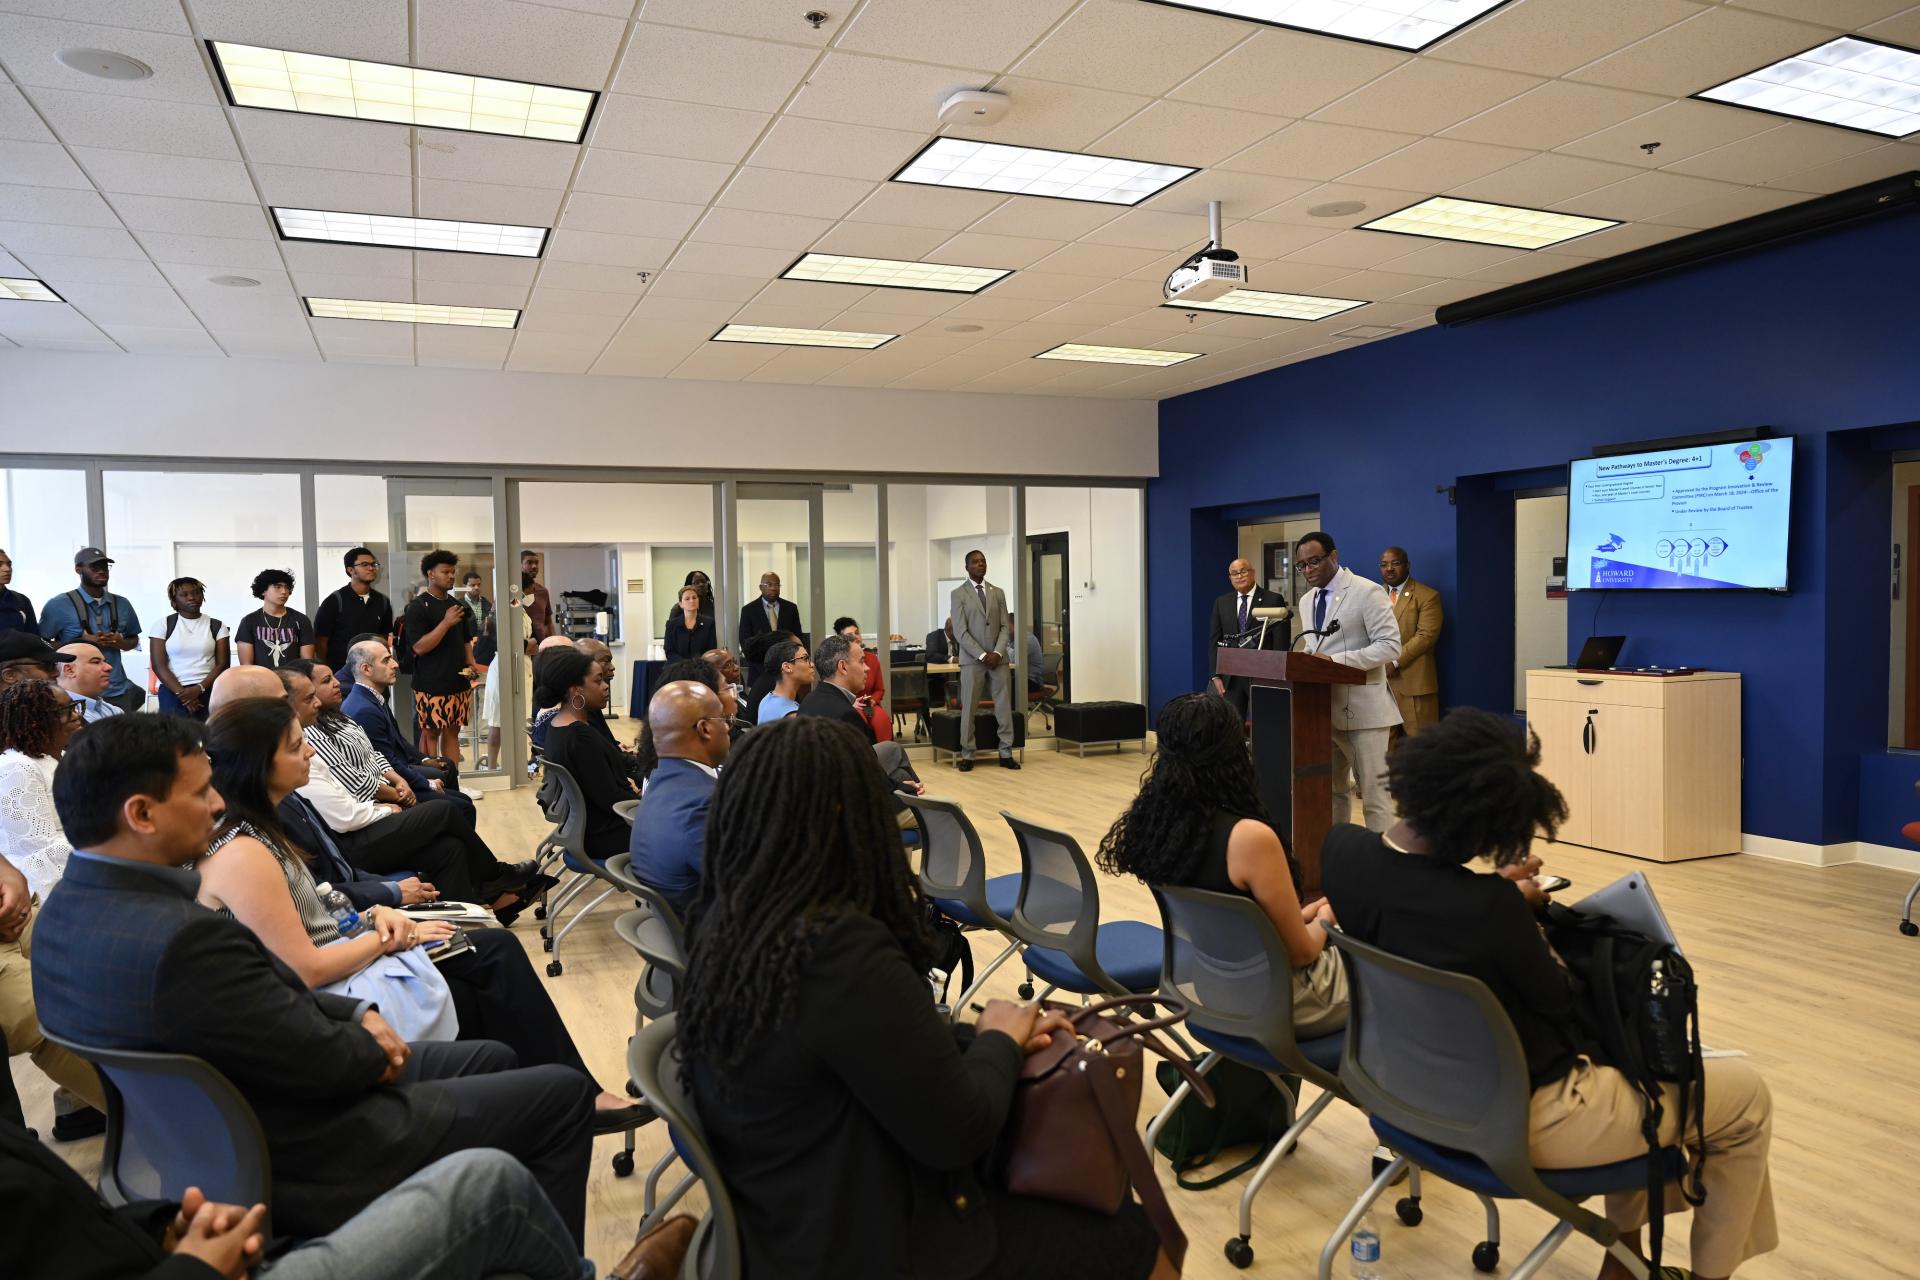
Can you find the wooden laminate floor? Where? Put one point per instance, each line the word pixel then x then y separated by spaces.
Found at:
pixel 1801 968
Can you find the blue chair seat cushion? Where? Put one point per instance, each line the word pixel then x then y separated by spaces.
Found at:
pixel 1002 893
pixel 1322 1051
pixel 1468 1171
pixel 1128 950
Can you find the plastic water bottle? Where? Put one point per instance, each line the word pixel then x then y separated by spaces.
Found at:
pixel 1364 1264
pixel 339 908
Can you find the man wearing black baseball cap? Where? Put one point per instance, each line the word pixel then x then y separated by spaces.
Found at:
pixel 95 615
pixel 25 656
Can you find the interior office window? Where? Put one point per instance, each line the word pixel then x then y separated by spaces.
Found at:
pixel 1539 595
pixel 852 560
pixel 220 527
pixel 349 512
pixel 1082 591
pixel 43 521
pixel 776 537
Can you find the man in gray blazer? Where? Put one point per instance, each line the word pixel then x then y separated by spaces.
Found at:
pixel 980 632
pixel 1351 621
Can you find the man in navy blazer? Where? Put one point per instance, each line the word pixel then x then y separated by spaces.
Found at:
pixel 670 827
pixel 763 615
pixel 132 961
pixel 367 673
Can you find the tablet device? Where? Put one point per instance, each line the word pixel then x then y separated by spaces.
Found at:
pixel 1629 902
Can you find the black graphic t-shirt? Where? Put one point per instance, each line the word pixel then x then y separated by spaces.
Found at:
pixel 275 641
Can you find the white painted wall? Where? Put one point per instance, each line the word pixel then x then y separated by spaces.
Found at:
pixel 1107 589
pixel 173 406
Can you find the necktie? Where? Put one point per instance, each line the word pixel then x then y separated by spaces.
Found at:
pixel 981 587
pixel 773 614
pixel 1243 613
pixel 1320 609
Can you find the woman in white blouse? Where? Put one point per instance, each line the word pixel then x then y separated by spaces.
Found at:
pixel 37 720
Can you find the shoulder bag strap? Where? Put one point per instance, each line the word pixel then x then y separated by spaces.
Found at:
pixel 1123 1027
pixel 1134 1156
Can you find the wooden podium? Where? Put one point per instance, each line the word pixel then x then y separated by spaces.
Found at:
pixel 1291 711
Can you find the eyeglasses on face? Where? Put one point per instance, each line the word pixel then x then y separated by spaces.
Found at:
pixel 1314 562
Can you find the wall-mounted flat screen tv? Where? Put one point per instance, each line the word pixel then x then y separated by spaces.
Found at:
pixel 1709 517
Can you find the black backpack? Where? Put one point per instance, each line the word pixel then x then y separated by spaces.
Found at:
pixel 1640 1007
pixel 950 950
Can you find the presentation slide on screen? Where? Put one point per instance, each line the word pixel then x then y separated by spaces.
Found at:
pixel 1711 516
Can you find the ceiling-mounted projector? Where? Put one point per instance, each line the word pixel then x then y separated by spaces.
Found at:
pixel 1211 272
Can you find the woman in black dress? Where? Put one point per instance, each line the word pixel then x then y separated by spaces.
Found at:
pixel 813 1049
pixel 577 685
pixel 690 631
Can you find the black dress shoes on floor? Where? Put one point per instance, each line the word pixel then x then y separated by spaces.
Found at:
pixel 1008 762
pixel 966 766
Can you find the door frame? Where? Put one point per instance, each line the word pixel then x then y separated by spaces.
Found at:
pixel 1038 545
pixel 1911 736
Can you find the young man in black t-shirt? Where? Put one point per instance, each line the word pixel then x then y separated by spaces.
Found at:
pixel 440 632
pixel 348 612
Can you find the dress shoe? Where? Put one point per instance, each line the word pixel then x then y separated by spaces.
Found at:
pixel 621 1119
pixel 966 766
pixel 1008 762
pixel 71 1126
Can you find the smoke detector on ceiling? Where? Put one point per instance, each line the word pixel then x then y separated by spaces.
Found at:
pixel 975 106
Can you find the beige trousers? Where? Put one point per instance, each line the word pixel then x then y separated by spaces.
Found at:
pixel 1593 1117
pixel 20 1026
pixel 1360 759
pixel 1417 711
pixel 1320 996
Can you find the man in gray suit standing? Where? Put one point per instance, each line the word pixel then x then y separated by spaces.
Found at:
pixel 1352 622
pixel 980 633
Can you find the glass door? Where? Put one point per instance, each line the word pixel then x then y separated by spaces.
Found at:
pixel 451 696
pixel 778 532
pixel 1047 615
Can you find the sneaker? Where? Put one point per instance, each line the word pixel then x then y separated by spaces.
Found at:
pixel 471 794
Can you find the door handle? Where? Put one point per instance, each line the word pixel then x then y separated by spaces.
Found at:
pixel 1589 736
pixel 1593 682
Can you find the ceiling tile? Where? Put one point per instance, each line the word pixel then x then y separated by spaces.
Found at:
pixel 1426 97
pixel 193 217
pixel 1138 47
pixel 141 15
pixel 1186 133
pixel 878 240
pixel 18 120
pixel 640 253
pixel 694 284
pixel 1238 192
pixel 364 337
pixel 1557 112
pixel 1743 203
pixel 1543 180
pixel 548 353
pixel 1436 164
pixel 466 293
pixel 590 277
pixel 515 41
pixel 723 361
pixel 1440 258
pixel 41 164
pixel 153 340
pixel 1288 73
pixel 1645 195
pixel 106 304
pixel 774 315
pixel 1046 219
pixel 1151 229
pixel 322 284
pixel 1097 260
pixel 973 249
pixel 908 205
pixel 812 195
pixel 688 130
pixel 983 33
pixel 54 204
pixel 816 293
pixel 1309 149
pixel 195 283
pixel 626 173
pixel 576 302
pixel 1851 14
pixel 35 324
pixel 1442 292
pixel 348 259
pixel 1771 156
pixel 317 142
pixel 844 150
pixel 179 74
pixel 731 260
pixel 1681 128
pixel 1377 286
pixel 439 347
pixel 856 89
pixel 650 361
pixel 1867 166
pixel 759 230
pixel 1374 201
pixel 1260 241
pixel 798 364
pixel 1552 37
pixel 478 268
pixel 619 215
pixel 767 19
pixel 269 347
pixel 481 157
pixel 134 173
pixel 1902 28
pixel 57 269
pixel 911 302
pixel 1066 117
pixel 1701 52
pixel 19 238
pixel 371 29
pixel 718 70
pixel 350 192
pixel 1617 240
pixel 132 124
pixel 1356 249
pixel 486 202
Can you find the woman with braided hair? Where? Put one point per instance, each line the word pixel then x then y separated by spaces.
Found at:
pixel 846 1114
pixel 1198 822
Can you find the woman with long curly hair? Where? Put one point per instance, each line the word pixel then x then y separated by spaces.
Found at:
pixel 846 1114
pixel 1198 822
pixel 37 720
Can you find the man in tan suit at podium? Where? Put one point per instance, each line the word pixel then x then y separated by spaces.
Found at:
pixel 1416 607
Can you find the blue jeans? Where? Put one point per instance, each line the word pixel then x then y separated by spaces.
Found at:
pixel 170 705
pixel 473 1214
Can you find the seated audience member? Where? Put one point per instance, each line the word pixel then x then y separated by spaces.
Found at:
pixel 470 1215
pixel 131 961
pixel 543 716
pixel 840 676
pixel 1037 687
pixel 16 611
pixel 1467 788
pixel 190 652
pixel 632 755
pixel 573 681
pixel 1198 822
pixel 766 675
pixel 877 718
pixel 792 670
pixel 366 676
pixel 24 656
pixel 670 827
pixel 689 629
pixel 36 723
pixel 85 677
pixel 808 948
pixel 273 633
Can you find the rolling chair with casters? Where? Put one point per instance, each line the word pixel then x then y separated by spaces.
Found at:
pixel 715 1253
pixel 561 799
pixel 1226 961
pixel 654 931
pixel 1912 832
pixel 909 697
pixel 1434 1061
pixel 1048 694
pixel 953 874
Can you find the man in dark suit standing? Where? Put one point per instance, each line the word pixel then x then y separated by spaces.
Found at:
pixel 132 961
pixel 766 614
pixel 1233 616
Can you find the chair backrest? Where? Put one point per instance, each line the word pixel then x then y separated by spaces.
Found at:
pixel 1434 1053
pixel 655 1067
pixel 1050 667
pixel 909 684
pixel 1226 960
pixel 1059 903
pixel 175 1122
pixel 952 864
pixel 566 807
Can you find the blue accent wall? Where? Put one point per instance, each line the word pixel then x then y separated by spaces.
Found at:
pixel 1817 337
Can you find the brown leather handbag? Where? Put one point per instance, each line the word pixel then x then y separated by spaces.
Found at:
pixel 1070 1135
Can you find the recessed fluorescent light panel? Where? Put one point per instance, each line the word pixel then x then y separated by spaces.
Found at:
pixel 1281 306
pixel 782 336
pixel 1117 355
pixel 1849 82
pixel 1398 24
pixel 18 289
pixel 412 313
pixel 1035 171
pixel 314 84
pixel 1505 225
pixel 889 273
pixel 387 231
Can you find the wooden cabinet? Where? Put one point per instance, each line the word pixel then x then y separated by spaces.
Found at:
pixel 1649 765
